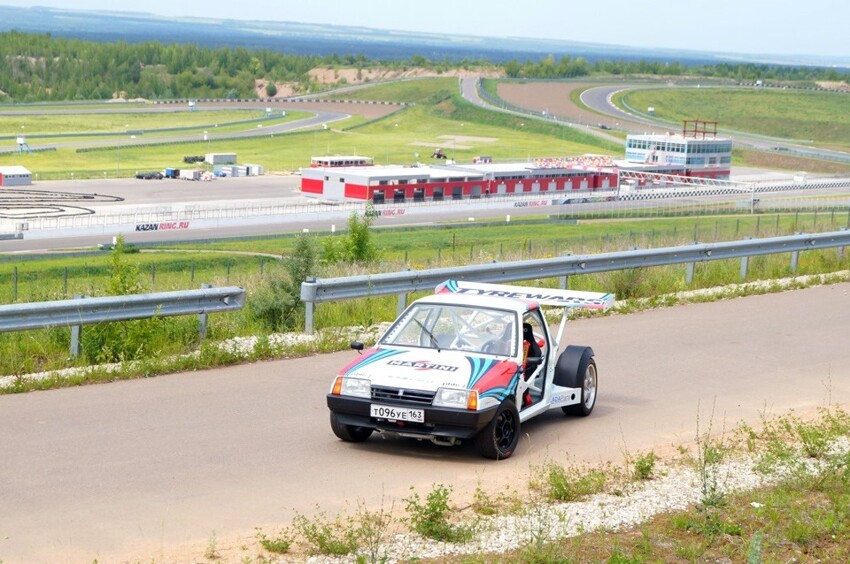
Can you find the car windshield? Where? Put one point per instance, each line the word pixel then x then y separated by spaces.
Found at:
pixel 455 327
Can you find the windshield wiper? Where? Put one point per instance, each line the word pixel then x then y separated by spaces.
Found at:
pixel 434 342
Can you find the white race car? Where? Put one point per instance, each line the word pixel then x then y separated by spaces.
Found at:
pixel 472 361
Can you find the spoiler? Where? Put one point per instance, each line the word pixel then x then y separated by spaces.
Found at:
pixel 543 296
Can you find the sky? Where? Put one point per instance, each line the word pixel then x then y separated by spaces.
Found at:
pixel 810 27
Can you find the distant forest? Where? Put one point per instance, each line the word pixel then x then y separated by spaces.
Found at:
pixel 39 67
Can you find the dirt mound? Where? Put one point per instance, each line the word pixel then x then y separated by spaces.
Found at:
pixel 284 89
pixel 834 85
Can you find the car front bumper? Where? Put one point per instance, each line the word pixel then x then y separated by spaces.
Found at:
pixel 439 422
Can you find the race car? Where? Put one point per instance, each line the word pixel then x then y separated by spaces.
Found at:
pixel 471 362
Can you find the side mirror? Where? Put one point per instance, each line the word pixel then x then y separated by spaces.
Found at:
pixel 357 345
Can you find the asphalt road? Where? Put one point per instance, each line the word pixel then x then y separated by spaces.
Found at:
pixel 138 469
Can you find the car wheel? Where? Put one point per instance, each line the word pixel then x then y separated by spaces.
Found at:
pixel 349 433
pixel 499 438
pixel 589 384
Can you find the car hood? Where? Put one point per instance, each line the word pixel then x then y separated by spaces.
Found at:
pixel 428 369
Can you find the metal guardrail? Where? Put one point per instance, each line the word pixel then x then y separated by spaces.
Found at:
pixel 315 291
pixel 81 311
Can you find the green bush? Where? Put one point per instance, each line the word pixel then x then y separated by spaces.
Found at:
pixel 276 303
pixel 431 518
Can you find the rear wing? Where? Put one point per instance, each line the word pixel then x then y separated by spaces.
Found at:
pixel 543 296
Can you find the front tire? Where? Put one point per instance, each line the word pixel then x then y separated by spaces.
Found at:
pixel 499 438
pixel 349 433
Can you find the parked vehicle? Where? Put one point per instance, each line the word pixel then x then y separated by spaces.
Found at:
pixel 156 175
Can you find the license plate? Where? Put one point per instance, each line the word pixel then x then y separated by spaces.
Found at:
pixel 397 413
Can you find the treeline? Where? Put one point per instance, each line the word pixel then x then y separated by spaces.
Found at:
pixel 569 67
pixel 39 67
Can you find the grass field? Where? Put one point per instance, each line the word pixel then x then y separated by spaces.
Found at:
pixel 405 137
pixel 45 125
pixel 808 116
pixel 408 91
pixel 438 118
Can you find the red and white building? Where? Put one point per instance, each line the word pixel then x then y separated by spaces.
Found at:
pixel 443 182
pixel 698 152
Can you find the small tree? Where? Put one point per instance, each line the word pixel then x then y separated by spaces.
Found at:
pixel 271 90
pixel 361 247
pixel 357 245
pixel 122 340
pixel 123 277
pixel 277 303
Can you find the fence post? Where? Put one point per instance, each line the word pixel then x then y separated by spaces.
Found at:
pixel 15 285
pixel 192 277
pixel 65 282
pixel 203 318
pixel 76 335
pixel 153 276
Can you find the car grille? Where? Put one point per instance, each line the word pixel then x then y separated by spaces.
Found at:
pixel 402 395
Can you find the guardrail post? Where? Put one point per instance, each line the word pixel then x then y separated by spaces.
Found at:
pixel 203 318
pixel 309 308
pixel 76 335
pixel 564 281
pixel 795 260
pixel 402 303
pixel 689 272
pixel 745 263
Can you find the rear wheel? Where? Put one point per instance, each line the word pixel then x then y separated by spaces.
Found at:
pixel 499 438
pixel 587 374
pixel 349 433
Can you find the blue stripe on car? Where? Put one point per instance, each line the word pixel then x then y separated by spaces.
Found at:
pixel 378 356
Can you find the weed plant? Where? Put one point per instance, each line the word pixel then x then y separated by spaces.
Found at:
pixel 565 484
pixel 324 536
pixel 431 517
pixel 278 543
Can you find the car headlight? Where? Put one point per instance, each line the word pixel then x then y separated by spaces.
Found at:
pixel 358 387
pixel 457 398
